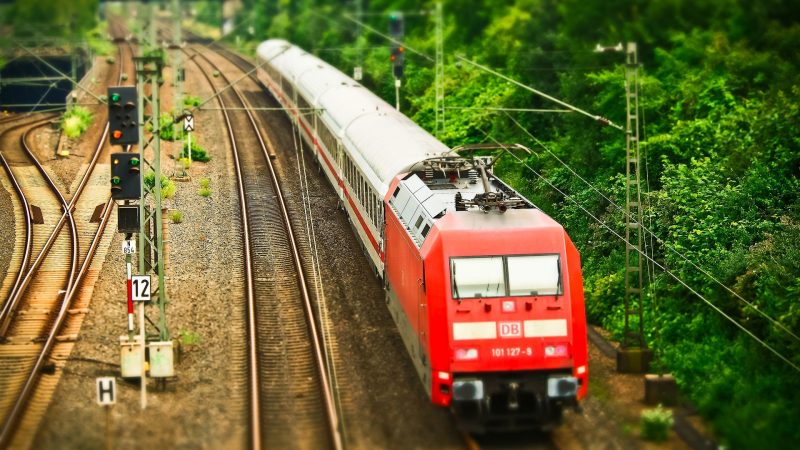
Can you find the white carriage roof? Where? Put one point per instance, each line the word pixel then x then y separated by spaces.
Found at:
pixel 389 142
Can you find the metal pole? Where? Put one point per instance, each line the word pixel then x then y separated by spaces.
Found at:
pixel 634 323
pixel 142 359
pixel 439 71
pixel 397 83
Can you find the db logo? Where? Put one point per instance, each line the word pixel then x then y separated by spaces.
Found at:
pixel 510 329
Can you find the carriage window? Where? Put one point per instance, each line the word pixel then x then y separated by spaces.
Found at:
pixel 419 222
pixel 477 277
pixel 534 275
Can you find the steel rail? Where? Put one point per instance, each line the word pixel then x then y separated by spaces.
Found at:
pixel 19 404
pixel 247 66
pixel 27 211
pixel 74 280
pixel 330 407
pixel 10 308
pixel 252 354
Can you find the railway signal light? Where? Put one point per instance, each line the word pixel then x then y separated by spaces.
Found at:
pixel 398 52
pixel 122 115
pixel 398 61
pixel 126 176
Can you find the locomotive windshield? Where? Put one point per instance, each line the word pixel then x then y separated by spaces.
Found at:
pixel 505 276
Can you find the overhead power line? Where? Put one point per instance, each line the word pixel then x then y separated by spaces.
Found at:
pixel 656 237
pixel 601 119
pixel 649 258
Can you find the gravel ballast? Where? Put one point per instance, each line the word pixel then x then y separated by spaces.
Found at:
pixel 203 407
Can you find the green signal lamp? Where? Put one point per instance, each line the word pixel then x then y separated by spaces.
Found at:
pixel 115 180
pixel 115 97
pixel 134 162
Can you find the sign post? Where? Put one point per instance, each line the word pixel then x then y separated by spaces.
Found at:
pixel 106 388
pixel 188 127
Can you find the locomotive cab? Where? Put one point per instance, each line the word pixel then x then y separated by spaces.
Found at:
pixel 487 293
pixel 508 301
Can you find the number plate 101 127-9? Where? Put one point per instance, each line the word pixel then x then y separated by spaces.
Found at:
pixel 511 352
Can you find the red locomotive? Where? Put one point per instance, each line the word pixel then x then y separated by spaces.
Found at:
pixel 485 289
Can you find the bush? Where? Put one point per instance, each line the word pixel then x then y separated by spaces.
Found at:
pixel 655 424
pixel 168 129
pixel 205 192
pixel 204 183
pixel 191 100
pixel 188 337
pixel 167 185
pixel 176 216
pixel 198 152
pixel 75 121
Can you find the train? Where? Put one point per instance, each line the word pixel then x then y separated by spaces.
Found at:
pixel 484 287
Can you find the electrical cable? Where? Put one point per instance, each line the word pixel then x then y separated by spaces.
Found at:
pixel 656 237
pixel 655 263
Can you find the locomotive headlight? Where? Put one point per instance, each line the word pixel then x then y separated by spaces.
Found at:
pixel 555 351
pixel 467 390
pixel 562 386
pixel 466 354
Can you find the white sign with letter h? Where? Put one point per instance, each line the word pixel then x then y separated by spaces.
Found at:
pixel 106 391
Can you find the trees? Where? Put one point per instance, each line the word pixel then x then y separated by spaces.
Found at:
pixel 721 150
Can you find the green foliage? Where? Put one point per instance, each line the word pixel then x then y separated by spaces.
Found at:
pixel 191 101
pixel 205 182
pixel 176 216
pixel 75 121
pixel 168 130
pixel 168 187
pixel 720 159
pixel 99 43
pixel 204 192
pixel 188 337
pixel 198 153
pixel 53 18
pixel 656 423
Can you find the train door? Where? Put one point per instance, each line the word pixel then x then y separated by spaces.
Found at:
pixel 422 325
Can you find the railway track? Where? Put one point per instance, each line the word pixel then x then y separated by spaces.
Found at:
pixel 285 348
pixel 529 441
pixel 40 319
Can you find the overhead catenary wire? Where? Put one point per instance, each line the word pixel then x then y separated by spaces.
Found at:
pixel 658 239
pixel 385 36
pixel 609 123
pixel 317 269
pixel 644 255
pixel 595 117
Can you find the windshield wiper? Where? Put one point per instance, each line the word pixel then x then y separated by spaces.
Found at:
pixel 455 282
pixel 558 284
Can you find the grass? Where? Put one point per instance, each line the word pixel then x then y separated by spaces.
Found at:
pixel 204 192
pixel 188 337
pixel 176 216
pixel 75 121
pixel 655 424
pixel 205 183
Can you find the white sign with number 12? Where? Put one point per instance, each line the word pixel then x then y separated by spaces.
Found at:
pixel 141 288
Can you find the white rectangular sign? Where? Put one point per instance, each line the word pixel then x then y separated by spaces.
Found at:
pixel 106 391
pixel 128 247
pixel 141 288
pixel 188 123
